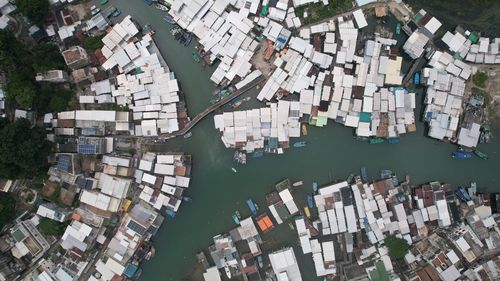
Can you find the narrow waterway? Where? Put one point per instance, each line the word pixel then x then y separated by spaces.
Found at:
pixel 331 154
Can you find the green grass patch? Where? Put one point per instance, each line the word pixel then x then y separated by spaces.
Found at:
pixel 317 11
pixel 51 227
pixel 480 79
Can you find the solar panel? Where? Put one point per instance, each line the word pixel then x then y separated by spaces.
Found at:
pixel 136 227
pixel 87 149
pixel 63 162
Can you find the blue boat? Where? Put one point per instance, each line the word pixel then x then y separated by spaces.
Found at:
pixel 187 39
pixel 235 219
pixel 310 201
pixel 463 194
pixel 260 262
pixel 364 174
pixel 461 155
pixel 168 19
pixel 251 206
pixel 393 140
pixel 148 2
pixel 170 213
pixel 315 187
pixel 257 154
pixel 300 144
pixel 416 78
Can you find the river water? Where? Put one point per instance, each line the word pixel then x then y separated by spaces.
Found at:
pixel 331 154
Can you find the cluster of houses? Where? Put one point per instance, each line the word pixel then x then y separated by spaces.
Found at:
pixel 452 113
pixel 239 252
pixel 328 71
pixel 349 236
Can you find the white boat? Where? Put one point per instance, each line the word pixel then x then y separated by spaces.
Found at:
pixel 297 183
pixel 234 170
pixel 228 272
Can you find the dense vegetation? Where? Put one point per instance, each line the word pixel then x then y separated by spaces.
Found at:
pixel 21 65
pixel 23 150
pixel 93 43
pixel 7 209
pixel 317 11
pixel 480 79
pixel 51 227
pixel 34 10
pixel 398 248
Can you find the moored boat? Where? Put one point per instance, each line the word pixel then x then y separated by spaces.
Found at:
pixel 416 78
pixel 398 28
pixel 307 212
pixel 161 7
pixel 228 272
pixel 393 140
pixel 364 174
pixel 481 155
pixel 297 183
pixel 188 135
pixel 376 140
pixel 304 129
pixel 235 219
pixel 187 199
pixel 196 57
pixel 251 206
pixel 315 187
pixel 350 178
pixel 260 261
pixel 170 213
pixel 234 170
pixel 169 19
pixel 461 154
pixel 187 38
pixel 360 138
pixel 310 200
pixel 300 144
pixel 463 194
pixel 257 154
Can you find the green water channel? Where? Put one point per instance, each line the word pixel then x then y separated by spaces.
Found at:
pixel 331 154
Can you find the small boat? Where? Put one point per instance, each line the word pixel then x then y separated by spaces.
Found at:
pixel 116 13
pixel 398 28
pixel 187 38
pixel 350 178
pixel 240 157
pixel 251 206
pixel 161 7
pixel 188 135
pixel 256 206
pixel 235 219
pixel 175 30
pixel 196 57
pixel 234 170
pixel 300 144
pixel 416 78
pixel 170 213
pixel 461 155
pixel 291 225
pixel 187 199
pixel 315 187
pixel 364 174
pixel 385 174
pixel 228 272
pixel 297 183
pixel 393 140
pixel 307 212
pixel 304 129
pixel 463 194
pixel 260 262
pixel 264 11
pixel 376 140
pixel 148 2
pixel 361 138
pixel 169 19
pixel 481 154
pixel 310 200
pixel 104 2
pixel 257 154
pixel 238 215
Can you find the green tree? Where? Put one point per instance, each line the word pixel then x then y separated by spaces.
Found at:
pixel 480 79
pixel 13 54
pixel 398 248
pixel 93 43
pixel 34 10
pixel 52 98
pixel 51 227
pixel 21 88
pixel 47 57
pixel 7 209
pixel 23 150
